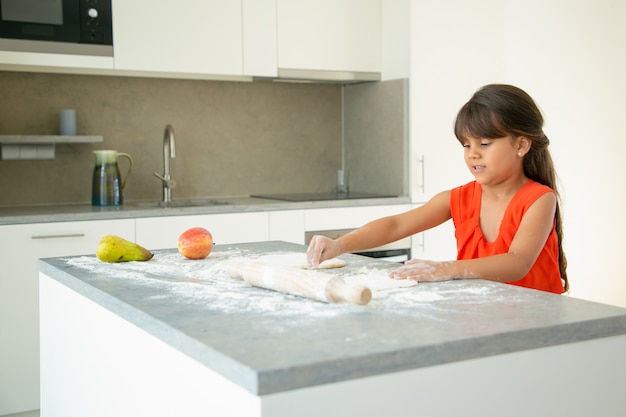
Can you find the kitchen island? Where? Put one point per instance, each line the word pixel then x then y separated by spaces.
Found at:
pixel 178 337
pixel 75 229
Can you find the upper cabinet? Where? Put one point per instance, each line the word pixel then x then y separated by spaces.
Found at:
pixel 186 37
pixel 53 62
pixel 329 38
pixel 259 38
pixel 315 39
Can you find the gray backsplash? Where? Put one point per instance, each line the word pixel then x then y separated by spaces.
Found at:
pixel 376 137
pixel 232 138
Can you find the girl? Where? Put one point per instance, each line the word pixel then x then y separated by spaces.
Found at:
pixel 507 221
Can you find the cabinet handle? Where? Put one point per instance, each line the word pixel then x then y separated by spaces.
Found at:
pixel 422 162
pixel 422 241
pixel 58 236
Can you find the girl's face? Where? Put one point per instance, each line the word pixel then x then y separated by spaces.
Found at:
pixel 493 161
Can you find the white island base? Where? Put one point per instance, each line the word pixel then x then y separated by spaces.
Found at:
pixel 94 363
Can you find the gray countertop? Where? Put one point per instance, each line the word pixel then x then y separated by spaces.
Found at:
pixel 86 212
pixel 270 342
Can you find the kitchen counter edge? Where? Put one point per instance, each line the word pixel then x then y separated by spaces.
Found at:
pixel 85 212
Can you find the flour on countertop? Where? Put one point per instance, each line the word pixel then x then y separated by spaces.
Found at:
pixel 376 279
pixel 373 278
pixel 205 282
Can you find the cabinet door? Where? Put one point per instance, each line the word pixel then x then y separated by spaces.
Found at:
pixel 48 62
pixel 348 217
pixel 287 225
pixel 437 244
pixel 440 40
pixel 163 232
pixel 332 35
pixel 19 311
pixel 259 38
pixel 186 36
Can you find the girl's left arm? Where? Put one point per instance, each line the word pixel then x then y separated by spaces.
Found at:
pixel 531 236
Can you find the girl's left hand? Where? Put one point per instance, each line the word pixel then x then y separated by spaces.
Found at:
pixel 420 270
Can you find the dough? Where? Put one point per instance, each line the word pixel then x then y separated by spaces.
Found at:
pixel 375 279
pixel 298 260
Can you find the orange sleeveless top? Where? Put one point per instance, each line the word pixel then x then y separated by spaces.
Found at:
pixel 471 244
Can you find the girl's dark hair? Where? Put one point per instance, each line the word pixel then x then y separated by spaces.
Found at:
pixel 499 110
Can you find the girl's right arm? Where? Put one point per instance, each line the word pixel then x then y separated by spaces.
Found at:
pixel 382 231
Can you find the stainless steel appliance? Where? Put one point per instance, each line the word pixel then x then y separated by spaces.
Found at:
pixel 399 251
pixel 57 26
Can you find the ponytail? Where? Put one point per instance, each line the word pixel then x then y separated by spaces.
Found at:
pixel 539 167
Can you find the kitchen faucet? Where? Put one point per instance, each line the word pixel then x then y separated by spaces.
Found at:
pixel 169 151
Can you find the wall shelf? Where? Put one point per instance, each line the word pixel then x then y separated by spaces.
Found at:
pixel 30 147
pixel 47 139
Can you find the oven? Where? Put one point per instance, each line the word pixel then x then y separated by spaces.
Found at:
pixel 399 251
pixel 57 26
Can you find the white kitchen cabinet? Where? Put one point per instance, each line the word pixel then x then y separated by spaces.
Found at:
pixel 259 38
pixel 22 245
pixel 436 157
pixel 184 37
pixel 163 232
pixel 232 40
pixel 446 69
pixel 395 37
pixel 348 217
pixel 51 62
pixel 434 244
pixel 291 225
pixel 329 35
pixel 287 225
pixel 437 244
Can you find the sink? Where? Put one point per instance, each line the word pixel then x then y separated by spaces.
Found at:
pixel 180 203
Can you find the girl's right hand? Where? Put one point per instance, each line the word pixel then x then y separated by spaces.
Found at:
pixel 320 249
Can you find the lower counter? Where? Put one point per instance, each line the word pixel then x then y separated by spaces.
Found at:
pixel 177 337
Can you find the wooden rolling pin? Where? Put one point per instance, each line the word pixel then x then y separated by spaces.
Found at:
pixel 305 283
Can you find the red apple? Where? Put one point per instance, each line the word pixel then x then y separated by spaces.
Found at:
pixel 195 243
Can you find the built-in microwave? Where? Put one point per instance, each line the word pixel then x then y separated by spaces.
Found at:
pixel 57 26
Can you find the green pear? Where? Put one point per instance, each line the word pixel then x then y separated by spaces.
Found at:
pixel 115 249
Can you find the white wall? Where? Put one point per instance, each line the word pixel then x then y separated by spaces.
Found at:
pixel 569 55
